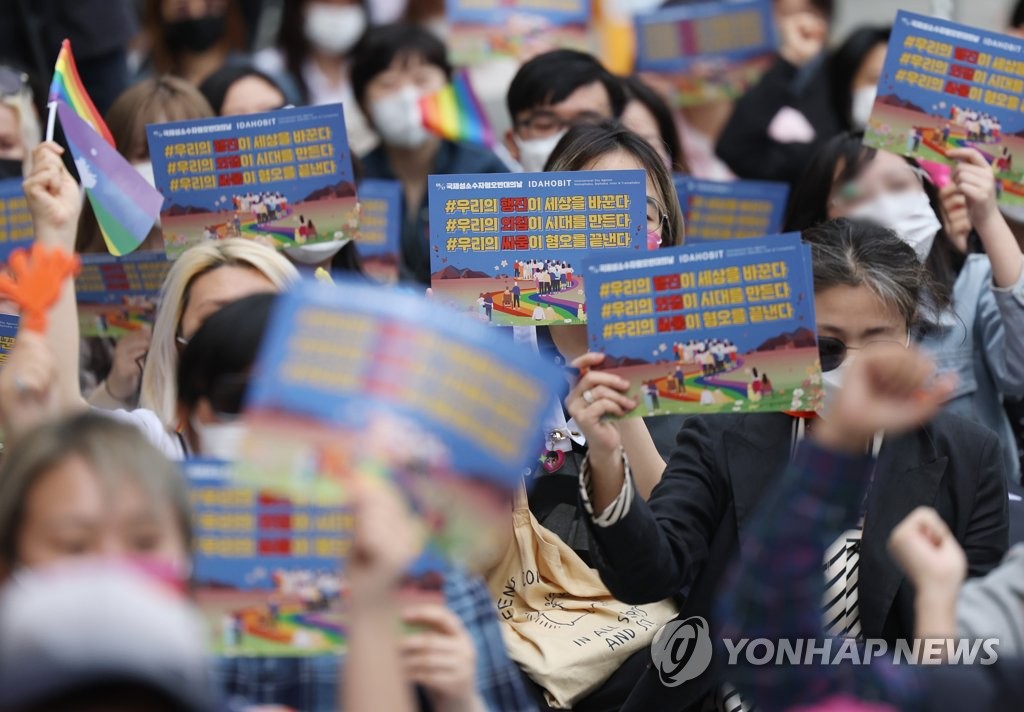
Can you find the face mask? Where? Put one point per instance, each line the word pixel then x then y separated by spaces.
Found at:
pixel 333 29
pixel 534 153
pixel 221 441
pixel 399 119
pixel 861 105
pixel 316 253
pixel 196 34
pixel 653 240
pixel 145 169
pixel 909 215
pixel 387 11
pixel 10 168
pixel 832 384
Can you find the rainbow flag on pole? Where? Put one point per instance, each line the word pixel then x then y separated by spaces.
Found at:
pixel 67 87
pixel 125 204
pixel 455 113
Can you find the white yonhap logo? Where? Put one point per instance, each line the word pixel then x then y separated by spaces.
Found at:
pixel 682 650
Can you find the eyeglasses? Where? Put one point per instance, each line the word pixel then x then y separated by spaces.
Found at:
pixel 544 123
pixel 832 351
pixel 656 216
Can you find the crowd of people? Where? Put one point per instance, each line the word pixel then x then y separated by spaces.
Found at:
pixel 887 516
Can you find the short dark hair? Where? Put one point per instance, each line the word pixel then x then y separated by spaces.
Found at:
pixel 809 202
pixel 844 63
pixel 551 77
pixel 636 89
pixel 216 86
pixel 224 346
pixel 382 45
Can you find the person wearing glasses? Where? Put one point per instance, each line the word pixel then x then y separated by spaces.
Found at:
pixel 551 93
pixel 19 123
pixel 869 289
pixel 978 271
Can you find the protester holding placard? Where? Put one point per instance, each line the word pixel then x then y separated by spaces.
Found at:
pixel 235 90
pixel 981 336
pixel 393 67
pixel 869 287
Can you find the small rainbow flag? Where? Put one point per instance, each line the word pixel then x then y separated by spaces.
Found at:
pixel 67 87
pixel 455 113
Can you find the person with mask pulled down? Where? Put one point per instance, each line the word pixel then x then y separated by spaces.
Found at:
pixel 393 67
pixel 979 272
pixel 551 93
pixel 869 288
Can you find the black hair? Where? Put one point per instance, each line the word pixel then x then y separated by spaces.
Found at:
pixel 636 89
pixel 216 86
pixel 585 143
pixel 1017 17
pixel 381 46
pixel 224 346
pixel 291 39
pixel 857 253
pixel 845 62
pixel 347 260
pixel 825 7
pixel 809 203
pixel 551 77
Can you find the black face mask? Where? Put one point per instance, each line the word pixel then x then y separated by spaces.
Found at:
pixel 9 168
pixel 195 34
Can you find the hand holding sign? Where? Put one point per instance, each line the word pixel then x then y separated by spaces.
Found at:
pixel 35 280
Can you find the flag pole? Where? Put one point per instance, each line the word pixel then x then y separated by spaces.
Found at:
pixel 51 120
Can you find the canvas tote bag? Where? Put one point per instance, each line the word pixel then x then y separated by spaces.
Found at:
pixel 560 623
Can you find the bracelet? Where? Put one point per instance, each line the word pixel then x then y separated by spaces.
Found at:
pixel 106 387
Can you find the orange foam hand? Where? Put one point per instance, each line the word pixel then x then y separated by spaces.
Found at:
pixel 33 281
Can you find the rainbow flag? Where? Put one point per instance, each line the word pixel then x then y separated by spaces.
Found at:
pixel 67 87
pixel 455 113
pixel 126 205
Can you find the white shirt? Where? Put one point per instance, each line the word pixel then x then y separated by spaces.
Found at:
pixel 149 424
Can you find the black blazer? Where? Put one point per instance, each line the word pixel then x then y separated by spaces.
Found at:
pixel 684 538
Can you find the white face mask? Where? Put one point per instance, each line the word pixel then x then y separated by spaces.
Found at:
pixel 909 215
pixel 316 253
pixel 831 384
pixel 399 119
pixel 145 169
pixel 334 29
pixel 221 441
pixel 534 153
pixel 860 107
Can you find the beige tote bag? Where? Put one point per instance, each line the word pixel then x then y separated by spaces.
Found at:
pixel 560 623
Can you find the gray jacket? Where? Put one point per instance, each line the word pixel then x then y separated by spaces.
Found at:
pixel 983 343
pixel 993 606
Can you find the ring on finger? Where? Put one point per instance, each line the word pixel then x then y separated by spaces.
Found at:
pixel 588 396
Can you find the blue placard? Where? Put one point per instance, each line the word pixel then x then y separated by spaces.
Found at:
pixel 281 178
pixel 15 218
pixel 675 39
pixel 694 328
pixel 8 334
pixel 380 228
pixel 334 356
pixel 498 12
pixel 106 279
pixel 266 569
pixel 946 86
pixel 508 249
pixel 725 210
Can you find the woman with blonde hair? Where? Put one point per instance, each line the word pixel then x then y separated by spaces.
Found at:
pixel 202 280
